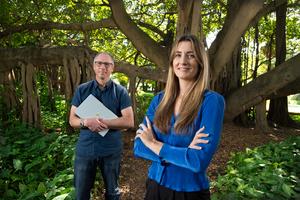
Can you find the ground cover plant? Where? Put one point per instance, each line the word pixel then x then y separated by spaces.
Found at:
pixel 267 172
pixel 35 165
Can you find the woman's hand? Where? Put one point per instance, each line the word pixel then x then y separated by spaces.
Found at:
pixel 145 133
pixel 197 139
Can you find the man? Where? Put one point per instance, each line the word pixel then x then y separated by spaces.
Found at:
pixel 93 150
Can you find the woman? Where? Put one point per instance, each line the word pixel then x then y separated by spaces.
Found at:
pixel 182 127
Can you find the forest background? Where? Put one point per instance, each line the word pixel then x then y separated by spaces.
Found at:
pixel 47 50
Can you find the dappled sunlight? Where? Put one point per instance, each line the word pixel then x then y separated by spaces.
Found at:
pixel 274 137
pixel 125 189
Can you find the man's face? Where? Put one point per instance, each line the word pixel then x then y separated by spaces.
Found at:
pixel 103 67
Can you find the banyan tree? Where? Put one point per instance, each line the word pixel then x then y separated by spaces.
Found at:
pixel 60 40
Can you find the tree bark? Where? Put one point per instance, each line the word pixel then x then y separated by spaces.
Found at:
pixel 240 14
pixel 47 25
pixel 142 41
pixel 72 80
pixel 9 96
pixel 278 111
pixel 261 123
pixel 189 17
pixel 229 79
pixel 31 103
pixel 269 84
pixel 50 94
pixel 263 86
pixel 132 91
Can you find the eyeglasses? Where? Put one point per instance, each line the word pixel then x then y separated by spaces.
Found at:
pixel 106 64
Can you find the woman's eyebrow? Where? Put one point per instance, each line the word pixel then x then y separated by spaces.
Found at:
pixel 188 52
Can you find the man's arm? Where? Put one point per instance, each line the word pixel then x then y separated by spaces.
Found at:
pixel 74 120
pixel 93 124
pixel 123 122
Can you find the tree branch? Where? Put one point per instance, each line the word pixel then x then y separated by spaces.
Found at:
pixel 140 39
pixel 153 28
pixel 263 87
pixel 267 9
pixel 47 25
pixel 236 23
pixel 10 57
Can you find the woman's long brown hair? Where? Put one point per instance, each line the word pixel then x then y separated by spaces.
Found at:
pixel 192 99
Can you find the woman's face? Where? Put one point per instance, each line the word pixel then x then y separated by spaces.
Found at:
pixel 185 65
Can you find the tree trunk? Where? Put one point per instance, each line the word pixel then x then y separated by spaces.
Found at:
pixel 262 87
pixel 50 94
pixel 132 91
pixel 31 103
pixel 9 99
pixel 229 78
pixel 278 111
pixel 72 80
pixel 189 17
pixel 261 123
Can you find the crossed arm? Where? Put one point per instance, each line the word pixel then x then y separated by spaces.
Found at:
pixel 147 137
pixel 192 157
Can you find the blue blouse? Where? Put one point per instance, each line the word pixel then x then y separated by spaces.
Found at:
pixel 178 167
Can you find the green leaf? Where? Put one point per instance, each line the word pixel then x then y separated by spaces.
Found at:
pixel 17 164
pixel 10 193
pixel 5 173
pixel 41 188
pixel 22 187
pixel 287 189
pixel 60 197
pixel 21 142
pixel 35 162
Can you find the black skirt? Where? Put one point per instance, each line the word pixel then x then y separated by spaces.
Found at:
pixel 155 191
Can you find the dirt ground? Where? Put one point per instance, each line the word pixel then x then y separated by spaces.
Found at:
pixel 234 138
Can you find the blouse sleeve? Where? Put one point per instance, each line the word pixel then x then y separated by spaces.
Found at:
pixel 198 160
pixel 139 149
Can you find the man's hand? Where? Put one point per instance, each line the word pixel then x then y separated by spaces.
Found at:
pixel 197 139
pixel 95 124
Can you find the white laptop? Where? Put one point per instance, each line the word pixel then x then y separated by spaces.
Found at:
pixel 91 107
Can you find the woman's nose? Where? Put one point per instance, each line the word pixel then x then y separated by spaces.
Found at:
pixel 183 59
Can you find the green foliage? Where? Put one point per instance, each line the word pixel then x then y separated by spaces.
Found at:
pixel 143 101
pixel 268 172
pixel 267 45
pixel 53 108
pixel 294 99
pixel 214 13
pixel 121 78
pixel 36 165
pixel 54 120
pixel 295 118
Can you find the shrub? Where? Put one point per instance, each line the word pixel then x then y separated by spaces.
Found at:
pixel 268 172
pixel 35 165
pixel 143 101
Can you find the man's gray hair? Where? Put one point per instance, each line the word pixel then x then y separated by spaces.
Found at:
pixel 106 53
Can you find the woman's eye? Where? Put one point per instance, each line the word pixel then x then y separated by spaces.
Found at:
pixel 190 56
pixel 177 55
